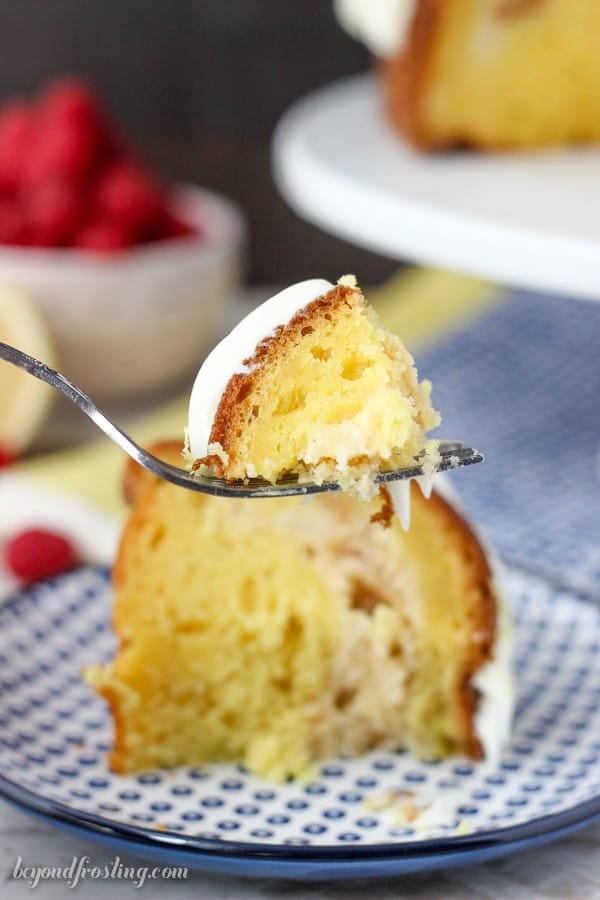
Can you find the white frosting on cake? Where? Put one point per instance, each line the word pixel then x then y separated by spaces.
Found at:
pixel 399 492
pixel 382 25
pixel 226 359
pixel 495 683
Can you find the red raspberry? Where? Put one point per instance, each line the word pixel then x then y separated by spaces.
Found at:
pixel 12 224
pixel 36 554
pixel 63 150
pixel 7 457
pixel 72 100
pixel 167 226
pixel 102 235
pixel 53 211
pixel 16 121
pixel 17 126
pixel 125 192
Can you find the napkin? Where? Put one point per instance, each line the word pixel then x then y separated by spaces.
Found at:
pixel 522 384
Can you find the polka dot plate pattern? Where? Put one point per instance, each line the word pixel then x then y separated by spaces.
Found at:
pixel 381 814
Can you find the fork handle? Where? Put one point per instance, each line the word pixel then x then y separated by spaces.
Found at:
pixel 65 387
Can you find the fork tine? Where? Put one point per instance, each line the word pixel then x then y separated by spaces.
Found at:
pixel 454 455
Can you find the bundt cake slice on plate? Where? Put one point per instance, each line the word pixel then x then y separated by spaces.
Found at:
pixel 279 632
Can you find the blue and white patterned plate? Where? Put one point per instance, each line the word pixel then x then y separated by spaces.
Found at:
pixel 357 818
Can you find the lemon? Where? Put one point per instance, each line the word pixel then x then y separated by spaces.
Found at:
pixel 24 401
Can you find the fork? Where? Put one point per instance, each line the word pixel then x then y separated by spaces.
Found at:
pixel 453 454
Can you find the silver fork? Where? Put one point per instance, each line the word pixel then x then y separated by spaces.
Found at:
pixel 453 454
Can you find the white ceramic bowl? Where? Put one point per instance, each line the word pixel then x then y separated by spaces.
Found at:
pixel 132 324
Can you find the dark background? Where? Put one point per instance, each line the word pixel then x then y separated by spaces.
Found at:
pixel 199 85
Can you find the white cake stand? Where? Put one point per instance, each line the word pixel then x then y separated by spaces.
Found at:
pixel 529 220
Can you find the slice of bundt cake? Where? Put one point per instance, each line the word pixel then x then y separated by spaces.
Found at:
pixel 280 632
pixel 310 383
pixel 489 74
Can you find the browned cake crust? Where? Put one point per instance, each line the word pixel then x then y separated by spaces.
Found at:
pixel 231 416
pixel 483 616
pixel 143 486
pixel 404 76
pixel 136 479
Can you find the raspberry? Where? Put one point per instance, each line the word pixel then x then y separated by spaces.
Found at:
pixel 69 99
pixel 36 554
pixel 16 120
pixel 53 211
pixel 7 457
pixel 102 235
pixel 67 178
pixel 125 192
pixel 12 224
pixel 69 102
pixel 17 125
pixel 67 151
pixel 167 226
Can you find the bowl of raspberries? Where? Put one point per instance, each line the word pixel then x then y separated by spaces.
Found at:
pixel 132 274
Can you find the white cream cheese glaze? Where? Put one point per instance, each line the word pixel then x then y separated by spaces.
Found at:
pixel 399 492
pixel 382 25
pixel 495 685
pixel 225 360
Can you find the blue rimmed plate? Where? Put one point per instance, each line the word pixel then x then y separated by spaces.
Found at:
pixel 356 819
